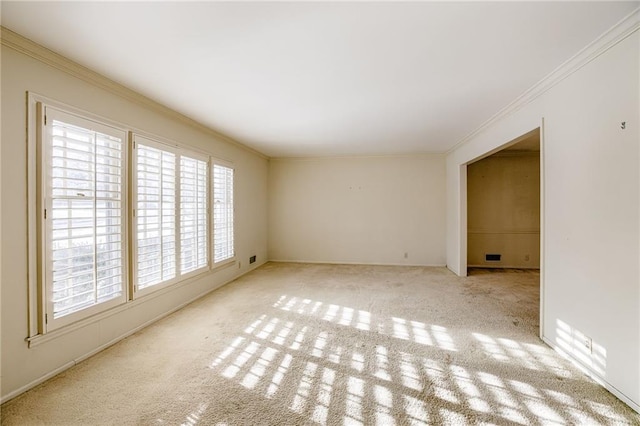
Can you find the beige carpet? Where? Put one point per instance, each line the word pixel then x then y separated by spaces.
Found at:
pixel 326 344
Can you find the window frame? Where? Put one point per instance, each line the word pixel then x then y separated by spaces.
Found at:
pixel 46 113
pixel 37 332
pixel 207 191
pixel 179 151
pixel 232 259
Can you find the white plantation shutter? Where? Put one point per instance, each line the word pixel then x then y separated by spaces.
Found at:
pixel 222 213
pixel 155 216
pixel 84 227
pixel 171 215
pixel 79 177
pixel 193 214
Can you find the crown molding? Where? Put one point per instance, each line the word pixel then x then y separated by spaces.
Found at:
pixel 29 48
pixel 425 154
pixel 620 31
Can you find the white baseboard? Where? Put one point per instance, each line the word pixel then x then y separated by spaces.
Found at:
pixel 36 382
pixel 330 262
pixel 503 267
pixel 53 373
pixel 600 380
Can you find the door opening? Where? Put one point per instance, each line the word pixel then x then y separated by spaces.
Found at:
pixel 503 213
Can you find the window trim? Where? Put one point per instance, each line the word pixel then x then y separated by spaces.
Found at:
pixel 45 113
pixel 37 332
pixel 225 262
pixel 207 160
pixel 178 150
pixel 40 338
pixel 135 292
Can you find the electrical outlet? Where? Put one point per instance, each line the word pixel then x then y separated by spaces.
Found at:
pixel 239 265
pixel 526 257
pixel 406 255
pixel 588 344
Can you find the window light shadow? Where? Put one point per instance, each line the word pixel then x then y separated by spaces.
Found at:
pixel 303 354
pixel 399 328
pixel 581 347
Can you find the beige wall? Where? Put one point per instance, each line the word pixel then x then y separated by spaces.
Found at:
pixel 368 210
pixel 590 206
pixel 503 205
pixel 22 366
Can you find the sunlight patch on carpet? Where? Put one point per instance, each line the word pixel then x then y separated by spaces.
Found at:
pixel 278 354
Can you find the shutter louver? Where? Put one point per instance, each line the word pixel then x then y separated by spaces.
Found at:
pixel 193 214
pixel 171 214
pixel 85 258
pixel 156 213
pixel 222 213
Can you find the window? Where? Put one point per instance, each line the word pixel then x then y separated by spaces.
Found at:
pixel 193 214
pixel 114 216
pixel 155 216
pixel 222 213
pixel 171 214
pixel 82 167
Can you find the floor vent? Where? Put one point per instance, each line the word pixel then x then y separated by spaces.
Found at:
pixel 492 257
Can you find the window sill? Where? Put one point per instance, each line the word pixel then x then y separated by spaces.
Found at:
pixel 40 339
pixel 224 264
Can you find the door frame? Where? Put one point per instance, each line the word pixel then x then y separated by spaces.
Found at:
pixel 462 213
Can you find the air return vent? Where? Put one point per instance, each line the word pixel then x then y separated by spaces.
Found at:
pixel 492 257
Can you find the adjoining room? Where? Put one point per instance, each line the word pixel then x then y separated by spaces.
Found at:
pixel 503 207
pixel 503 220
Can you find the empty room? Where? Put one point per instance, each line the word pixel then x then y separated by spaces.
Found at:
pixel 331 213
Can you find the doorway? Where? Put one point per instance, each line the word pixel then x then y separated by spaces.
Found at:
pixel 504 211
pixel 503 207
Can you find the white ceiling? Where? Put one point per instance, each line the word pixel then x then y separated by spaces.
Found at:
pixel 322 79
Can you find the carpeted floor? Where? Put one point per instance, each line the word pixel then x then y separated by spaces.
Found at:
pixel 328 344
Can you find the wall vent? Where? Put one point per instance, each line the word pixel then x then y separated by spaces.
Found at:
pixel 492 257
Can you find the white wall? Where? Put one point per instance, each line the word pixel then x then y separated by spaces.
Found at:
pixel 368 210
pixel 23 366
pixel 591 217
pixel 503 210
